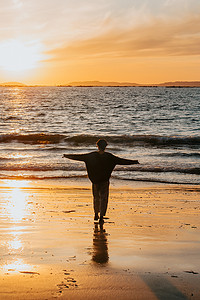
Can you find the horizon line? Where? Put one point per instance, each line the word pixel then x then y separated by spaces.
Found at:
pixel 96 83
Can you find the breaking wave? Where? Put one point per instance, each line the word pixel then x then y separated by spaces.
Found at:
pixel 37 138
pixel 152 140
pixel 138 139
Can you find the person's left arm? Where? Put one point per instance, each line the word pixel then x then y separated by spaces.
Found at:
pixel 124 161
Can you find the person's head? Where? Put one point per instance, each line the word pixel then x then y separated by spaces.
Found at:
pixel 101 144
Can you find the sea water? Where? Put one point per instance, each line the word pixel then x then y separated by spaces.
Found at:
pixel 159 126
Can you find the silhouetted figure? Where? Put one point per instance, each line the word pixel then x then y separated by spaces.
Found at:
pixel 99 165
pixel 100 245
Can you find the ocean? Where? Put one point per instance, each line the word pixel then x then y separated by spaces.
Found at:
pixel 159 126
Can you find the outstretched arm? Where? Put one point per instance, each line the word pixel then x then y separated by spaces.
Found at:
pixel 80 157
pixel 123 161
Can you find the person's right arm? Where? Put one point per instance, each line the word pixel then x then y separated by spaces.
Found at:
pixel 80 157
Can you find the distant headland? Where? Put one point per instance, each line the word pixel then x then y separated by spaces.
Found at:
pixel 108 84
pixel 118 84
pixel 14 84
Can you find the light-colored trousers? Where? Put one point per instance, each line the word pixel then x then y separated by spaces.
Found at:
pixel 100 197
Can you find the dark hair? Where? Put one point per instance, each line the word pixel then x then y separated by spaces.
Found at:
pixel 102 144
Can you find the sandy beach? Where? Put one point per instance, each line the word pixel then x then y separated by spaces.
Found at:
pixel 148 247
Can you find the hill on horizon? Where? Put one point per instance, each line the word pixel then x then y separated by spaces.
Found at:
pixel 100 83
pixel 181 83
pixel 13 83
pixel 107 83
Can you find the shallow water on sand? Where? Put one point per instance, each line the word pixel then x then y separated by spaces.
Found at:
pixel 51 247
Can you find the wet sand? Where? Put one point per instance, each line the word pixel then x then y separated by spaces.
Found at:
pixel 148 247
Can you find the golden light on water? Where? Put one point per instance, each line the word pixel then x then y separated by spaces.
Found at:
pixel 20 155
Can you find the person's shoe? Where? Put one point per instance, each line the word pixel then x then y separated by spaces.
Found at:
pixel 101 220
pixel 96 217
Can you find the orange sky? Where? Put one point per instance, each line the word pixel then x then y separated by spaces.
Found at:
pixel 142 41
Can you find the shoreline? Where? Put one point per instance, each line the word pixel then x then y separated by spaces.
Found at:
pixel 84 181
pixel 148 247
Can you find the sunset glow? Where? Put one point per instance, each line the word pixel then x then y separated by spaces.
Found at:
pixel 16 56
pixel 133 41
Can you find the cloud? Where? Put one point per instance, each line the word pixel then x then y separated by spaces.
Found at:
pixel 160 37
pixel 114 28
pixel 51 21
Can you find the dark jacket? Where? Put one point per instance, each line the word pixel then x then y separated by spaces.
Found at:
pixel 100 166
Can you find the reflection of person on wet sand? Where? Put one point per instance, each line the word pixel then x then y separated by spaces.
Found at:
pixel 100 245
pixel 100 165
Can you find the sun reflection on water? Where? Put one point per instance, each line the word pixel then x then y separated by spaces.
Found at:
pixel 18 155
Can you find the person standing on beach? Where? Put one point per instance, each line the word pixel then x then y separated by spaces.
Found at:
pixel 99 165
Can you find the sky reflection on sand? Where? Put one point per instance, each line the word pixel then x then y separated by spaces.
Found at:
pixel 16 265
pixel 15 244
pixel 51 245
pixel 16 198
pixel 15 210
